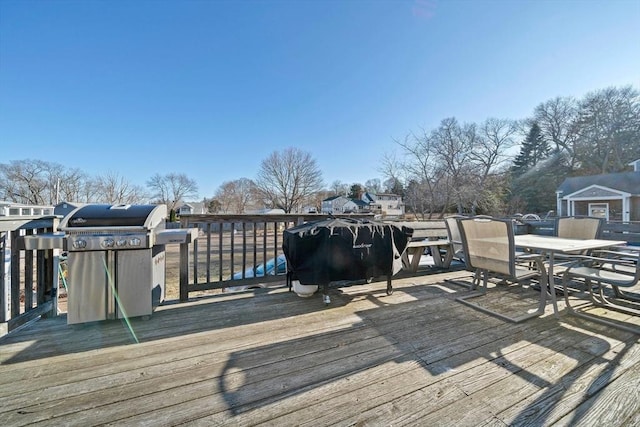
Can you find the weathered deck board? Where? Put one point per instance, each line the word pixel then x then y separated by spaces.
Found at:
pixel 416 357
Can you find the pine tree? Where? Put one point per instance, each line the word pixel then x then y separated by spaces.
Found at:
pixel 534 149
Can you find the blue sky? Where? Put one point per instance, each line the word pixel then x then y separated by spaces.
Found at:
pixel 211 88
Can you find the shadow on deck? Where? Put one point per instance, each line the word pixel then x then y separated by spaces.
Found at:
pixel 414 357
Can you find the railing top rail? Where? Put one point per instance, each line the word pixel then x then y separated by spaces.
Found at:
pixel 29 223
pixel 203 218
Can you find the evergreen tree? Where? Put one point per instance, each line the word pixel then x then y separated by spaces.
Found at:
pixel 356 191
pixel 532 183
pixel 534 149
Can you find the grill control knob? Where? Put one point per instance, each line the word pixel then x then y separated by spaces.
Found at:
pixel 121 242
pixel 135 241
pixel 108 243
pixel 79 244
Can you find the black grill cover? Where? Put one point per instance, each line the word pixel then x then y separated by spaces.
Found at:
pixel 343 249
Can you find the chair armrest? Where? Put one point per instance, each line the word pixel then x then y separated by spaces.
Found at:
pixel 586 260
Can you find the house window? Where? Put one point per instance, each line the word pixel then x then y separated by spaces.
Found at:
pixel 599 210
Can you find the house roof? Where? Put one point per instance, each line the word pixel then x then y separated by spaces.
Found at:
pixel 628 182
pixel 76 204
pixel 359 202
pixel 369 197
pixel 332 198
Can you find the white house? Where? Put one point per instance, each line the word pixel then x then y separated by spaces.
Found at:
pixel 612 196
pixel 64 208
pixel 192 208
pixel 21 209
pixel 385 204
pixel 334 205
pixel 356 206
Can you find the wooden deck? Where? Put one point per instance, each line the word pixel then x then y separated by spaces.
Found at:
pixel 416 357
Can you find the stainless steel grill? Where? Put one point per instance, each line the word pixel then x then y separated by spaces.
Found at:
pixel 114 269
pixel 116 259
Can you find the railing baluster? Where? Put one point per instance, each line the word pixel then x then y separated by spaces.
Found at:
pixel 208 228
pixel 220 226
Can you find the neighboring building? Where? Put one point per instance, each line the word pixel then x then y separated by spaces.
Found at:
pixel 334 205
pixel 355 206
pixel 368 198
pixel 20 209
pixel 613 196
pixel 192 208
pixel 387 205
pixel 64 208
pixel 266 211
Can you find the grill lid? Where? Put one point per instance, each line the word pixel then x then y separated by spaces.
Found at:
pixel 143 216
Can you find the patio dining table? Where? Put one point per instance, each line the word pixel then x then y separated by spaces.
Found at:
pixel 550 245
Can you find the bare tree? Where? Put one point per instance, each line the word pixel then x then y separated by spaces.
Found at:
pixel 26 181
pixel 172 189
pixel 452 145
pixel 115 189
pixel 40 182
pixel 420 172
pixel 235 196
pixel 495 138
pixel 288 177
pixel 373 186
pixel 339 188
pixel 453 165
pixel 608 128
pixel 315 200
pixel 555 118
pixel 73 185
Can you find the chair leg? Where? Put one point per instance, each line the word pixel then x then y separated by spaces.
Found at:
pixel 624 295
pixel 602 300
pixel 590 317
pixel 475 281
pixel 518 319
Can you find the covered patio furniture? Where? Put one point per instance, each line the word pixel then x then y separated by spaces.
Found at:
pixel 338 249
pixel 611 270
pixel 489 248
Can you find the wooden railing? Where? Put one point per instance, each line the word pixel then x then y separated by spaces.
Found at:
pixel 611 230
pixel 225 254
pixel 229 247
pixel 28 279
